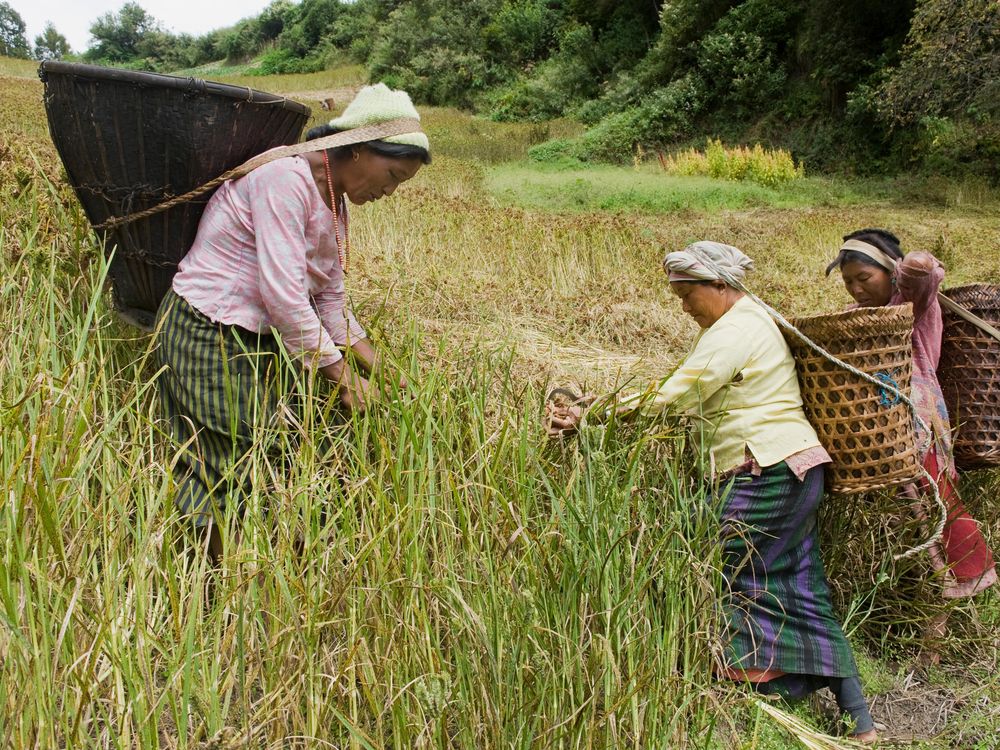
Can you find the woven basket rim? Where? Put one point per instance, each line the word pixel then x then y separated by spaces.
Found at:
pixel 162 80
pixel 966 288
pixel 884 311
pixel 984 297
pixel 838 326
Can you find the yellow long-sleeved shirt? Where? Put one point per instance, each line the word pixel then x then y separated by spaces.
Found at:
pixel 739 378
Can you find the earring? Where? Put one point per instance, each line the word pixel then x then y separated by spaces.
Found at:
pixel 357 155
pixel 892 280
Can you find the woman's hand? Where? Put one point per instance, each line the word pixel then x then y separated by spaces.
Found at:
pixel 564 411
pixel 356 395
pixel 918 263
pixel 388 376
pixel 561 421
pixel 372 364
pixel 354 390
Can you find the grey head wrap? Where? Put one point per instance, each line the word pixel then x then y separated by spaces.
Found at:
pixel 707 261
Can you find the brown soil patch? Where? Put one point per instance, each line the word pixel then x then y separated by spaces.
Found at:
pixel 340 96
pixel 915 712
pixel 912 712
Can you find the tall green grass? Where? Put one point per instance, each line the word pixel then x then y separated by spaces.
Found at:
pixel 649 190
pixel 434 574
pixel 17 68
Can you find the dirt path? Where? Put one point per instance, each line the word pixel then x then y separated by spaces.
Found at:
pixel 340 96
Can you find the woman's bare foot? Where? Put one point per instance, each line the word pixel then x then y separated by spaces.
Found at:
pixel 866 738
pixel 933 638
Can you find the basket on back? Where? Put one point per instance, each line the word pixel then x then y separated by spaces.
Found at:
pixel 867 430
pixel 131 140
pixel 969 372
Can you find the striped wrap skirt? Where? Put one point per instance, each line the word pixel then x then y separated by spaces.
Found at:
pixel 778 607
pixel 218 388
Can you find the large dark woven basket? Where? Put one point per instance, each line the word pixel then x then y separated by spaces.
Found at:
pixel 969 373
pixel 866 430
pixel 131 140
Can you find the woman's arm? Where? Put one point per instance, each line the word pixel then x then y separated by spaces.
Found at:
pixel 279 204
pixel 370 360
pixel 718 356
pixel 279 201
pixel 364 356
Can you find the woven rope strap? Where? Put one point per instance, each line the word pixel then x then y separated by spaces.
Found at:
pixel 345 138
pixel 952 306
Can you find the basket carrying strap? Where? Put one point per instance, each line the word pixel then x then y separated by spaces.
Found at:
pixel 344 138
pixel 971 317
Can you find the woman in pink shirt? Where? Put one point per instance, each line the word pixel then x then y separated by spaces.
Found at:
pixel 266 273
pixel 876 273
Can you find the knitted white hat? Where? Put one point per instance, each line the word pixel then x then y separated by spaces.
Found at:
pixel 379 103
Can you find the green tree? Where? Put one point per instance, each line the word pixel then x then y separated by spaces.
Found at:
pixel 117 36
pixel 354 30
pixel 421 48
pixel 844 42
pixel 950 64
pixel 273 19
pixel 523 31
pixel 239 42
pixel 50 44
pixel 682 24
pixel 743 59
pixel 13 42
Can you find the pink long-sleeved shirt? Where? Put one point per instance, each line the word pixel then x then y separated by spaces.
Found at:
pixel 265 257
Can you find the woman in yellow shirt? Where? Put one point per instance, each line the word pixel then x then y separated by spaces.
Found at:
pixel 739 384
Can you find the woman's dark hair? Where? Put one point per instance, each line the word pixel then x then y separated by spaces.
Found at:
pixel 382 148
pixel 883 239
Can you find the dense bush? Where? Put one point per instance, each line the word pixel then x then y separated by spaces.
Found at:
pixel 664 116
pixel 847 84
pixel 557 151
pixel 421 47
pixel 947 86
pixel 279 61
pixel 743 57
pixel 240 42
pixel 557 85
pixel 305 26
pixel 950 65
pixel 522 32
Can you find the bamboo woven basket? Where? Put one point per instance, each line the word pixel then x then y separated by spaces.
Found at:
pixel 867 430
pixel 130 140
pixel 969 373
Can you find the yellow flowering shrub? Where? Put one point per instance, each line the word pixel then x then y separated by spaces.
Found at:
pixel 768 167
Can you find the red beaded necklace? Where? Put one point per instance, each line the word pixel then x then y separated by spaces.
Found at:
pixel 343 246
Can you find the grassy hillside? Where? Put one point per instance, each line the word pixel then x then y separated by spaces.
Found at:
pixel 436 574
pixel 17 68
